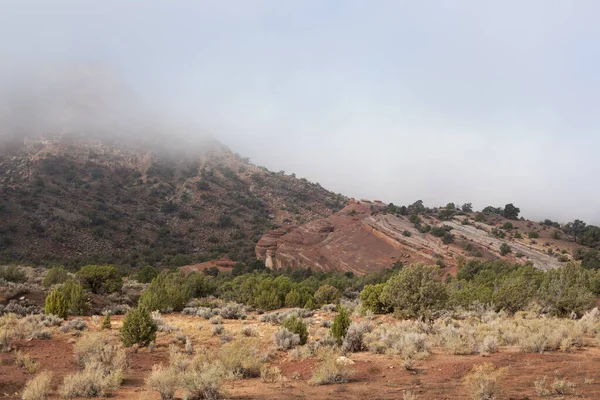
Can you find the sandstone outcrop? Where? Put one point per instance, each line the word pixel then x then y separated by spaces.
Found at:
pixel 361 240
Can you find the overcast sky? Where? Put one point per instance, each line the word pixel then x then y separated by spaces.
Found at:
pixel 486 102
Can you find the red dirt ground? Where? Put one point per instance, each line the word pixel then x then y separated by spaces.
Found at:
pixel 377 377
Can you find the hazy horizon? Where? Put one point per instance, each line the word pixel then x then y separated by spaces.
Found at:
pixel 397 101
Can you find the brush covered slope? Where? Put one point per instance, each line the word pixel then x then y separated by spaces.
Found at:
pixel 71 200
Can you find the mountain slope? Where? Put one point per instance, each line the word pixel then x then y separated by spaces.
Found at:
pixel 71 199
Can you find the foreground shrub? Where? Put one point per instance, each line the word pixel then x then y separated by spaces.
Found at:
pixel 55 275
pixel 332 369
pixel 164 380
pixel 56 304
pixel 138 328
pixel 297 326
pixel 240 359
pixel 483 382
pixel 285 340
pixel 37 388
pixel 91 382
pixel 340 325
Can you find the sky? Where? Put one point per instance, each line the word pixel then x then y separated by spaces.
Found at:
pixel 486 102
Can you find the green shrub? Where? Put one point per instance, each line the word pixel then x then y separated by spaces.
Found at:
pixel 100 279
pixel 370 297
pixel 505 249
pixel 165 293
pixel 448 238
pixel 138 328
pixel 77 300
pixel 533 235
pixel 327 294
pixel 56 304
pixel 146 274
pixel 340 325
pixel 106 322
pixel 415 291
pixel 297 326
pixel 55 275
pixel 12 273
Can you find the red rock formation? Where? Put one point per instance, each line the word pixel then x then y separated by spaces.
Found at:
pixel 355 240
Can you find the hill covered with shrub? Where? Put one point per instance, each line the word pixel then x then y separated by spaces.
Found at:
pixel 74 200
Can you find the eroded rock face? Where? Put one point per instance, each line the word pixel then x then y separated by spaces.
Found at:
pixel 354 239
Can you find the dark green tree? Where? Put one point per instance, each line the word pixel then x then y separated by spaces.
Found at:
pixel 138 328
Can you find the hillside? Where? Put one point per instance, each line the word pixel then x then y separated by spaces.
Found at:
pixel 368 236
pixel 70 199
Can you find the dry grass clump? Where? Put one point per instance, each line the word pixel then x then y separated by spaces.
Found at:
pixel 93 381
pixel 277 317
pixel 216 320
pixel 38 387
pixel 102 362
pixel 409 395
pixel 540 387
pixel 333 369
pixel 559 387
pixel 99 348
pixel 200 376
pixel 459 340
pixel 204 381
pixel 483 382
pixel 285 340
pixel 270 374
pixel 218 330
pixel 249 331
pixel 240 359
pixel 232 311
pixel 489 345
pixel 24 361
pixel 203 312
pixel 164 380
pixel 590 321
pixel 30 327
pixel 405 339
pixel 353 341
pixel 75 324
pixel 537 336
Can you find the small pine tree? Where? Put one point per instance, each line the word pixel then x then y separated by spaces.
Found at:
pixel 76 298
pixel 56 304
pixel 138 328
pixel 106 322
pixel 340 325
pixel 296 325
